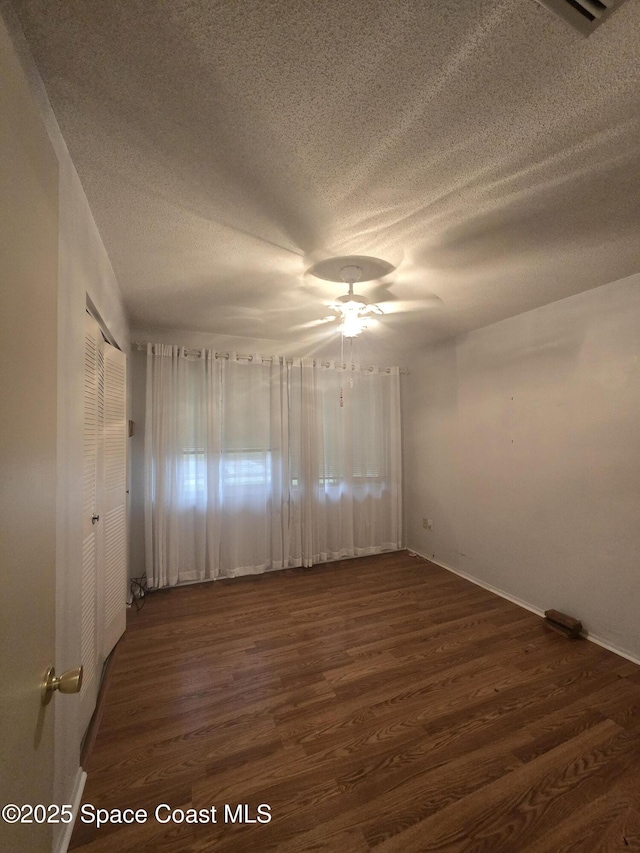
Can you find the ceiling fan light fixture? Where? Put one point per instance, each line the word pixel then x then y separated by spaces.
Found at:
pixel 352 325
pixel 353 309
pixel 354 317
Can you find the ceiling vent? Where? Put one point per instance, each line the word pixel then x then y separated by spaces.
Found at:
pixel 583 15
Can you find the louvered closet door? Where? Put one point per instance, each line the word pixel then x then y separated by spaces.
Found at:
pixel 104 566
pixel 114 484
pixel 92 530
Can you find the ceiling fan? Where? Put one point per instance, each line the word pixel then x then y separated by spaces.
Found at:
pixel 352 309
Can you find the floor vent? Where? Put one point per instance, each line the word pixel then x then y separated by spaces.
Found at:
pixel 563 624
pixel 583 15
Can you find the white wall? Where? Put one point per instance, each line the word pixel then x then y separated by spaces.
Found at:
pixel 84 271
pixel 523 446
pixel 430 431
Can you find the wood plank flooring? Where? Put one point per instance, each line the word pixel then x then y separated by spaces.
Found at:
pixel 381 703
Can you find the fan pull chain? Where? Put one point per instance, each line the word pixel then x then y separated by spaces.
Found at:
pixel 342 362
pixel 351 362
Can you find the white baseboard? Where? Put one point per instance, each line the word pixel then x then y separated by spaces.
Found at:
pixel 594 638
pixel 610 648
pixel 65 838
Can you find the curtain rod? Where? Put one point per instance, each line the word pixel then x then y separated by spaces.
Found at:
pixel 142 345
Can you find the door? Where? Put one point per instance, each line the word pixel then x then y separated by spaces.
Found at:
pixel 28 389
pixel 104 563
pixel 114 484
pixel 92 530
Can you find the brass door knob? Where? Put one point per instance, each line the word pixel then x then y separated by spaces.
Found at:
pixel 69 682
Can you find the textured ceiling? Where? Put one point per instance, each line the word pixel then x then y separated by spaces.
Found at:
pixel 484 147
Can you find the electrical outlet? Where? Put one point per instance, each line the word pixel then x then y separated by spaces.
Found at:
pixel 427 523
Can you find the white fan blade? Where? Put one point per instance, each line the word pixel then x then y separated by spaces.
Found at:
pixel 311 324
pixel 403 306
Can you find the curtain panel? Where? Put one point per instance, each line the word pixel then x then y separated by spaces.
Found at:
pixel 262 464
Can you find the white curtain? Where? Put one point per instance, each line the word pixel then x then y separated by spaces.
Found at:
pixel 255 465
pixel 350 490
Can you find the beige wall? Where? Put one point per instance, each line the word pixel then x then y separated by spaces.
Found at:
pixel 28 380
pixel 522 446
pixel 84 272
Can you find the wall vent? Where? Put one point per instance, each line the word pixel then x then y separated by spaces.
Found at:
pixel 585 16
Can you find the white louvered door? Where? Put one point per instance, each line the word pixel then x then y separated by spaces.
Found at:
pixel 92 451
pixel 104 509
pixel 114 497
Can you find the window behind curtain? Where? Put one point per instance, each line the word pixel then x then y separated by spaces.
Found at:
pixel 252 467
pixel 246 427
pixel 353 442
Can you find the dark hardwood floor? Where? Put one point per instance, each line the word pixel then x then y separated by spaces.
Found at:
pixel 375 703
